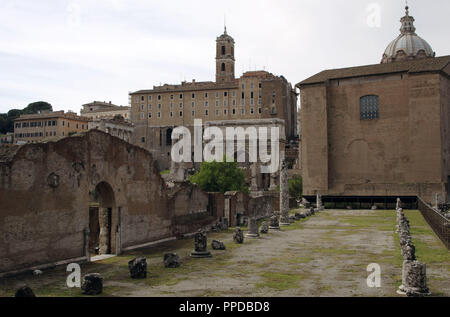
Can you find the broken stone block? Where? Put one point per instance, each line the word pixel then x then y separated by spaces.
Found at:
pixel 92 284
pixel 218 245
pixel 238 236
pixel 200 250
pixel 138 267
pixel 171 260
pixel 24 291
pixel 264 229
pixel 374 207
pixel 298 216
pixel 414 279
pixel 274 223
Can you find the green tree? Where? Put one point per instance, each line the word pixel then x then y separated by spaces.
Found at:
pixel 296 187
pixel 220 177
pixel 7 124
pixel 35 107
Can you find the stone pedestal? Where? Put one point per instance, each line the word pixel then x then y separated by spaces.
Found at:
pixel 201 242
pixel 238 236
pixel 414 279
pixel 319 202
pixel 252 228
pixel 284 196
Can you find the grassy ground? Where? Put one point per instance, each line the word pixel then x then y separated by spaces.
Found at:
pixel 324 255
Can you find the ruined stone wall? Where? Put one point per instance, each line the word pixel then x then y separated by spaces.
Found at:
pixel 445 131
pixel 45 192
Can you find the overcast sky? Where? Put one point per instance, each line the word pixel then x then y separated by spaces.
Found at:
pixel 71 52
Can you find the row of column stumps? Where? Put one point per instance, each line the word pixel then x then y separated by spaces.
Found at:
pixel 414 277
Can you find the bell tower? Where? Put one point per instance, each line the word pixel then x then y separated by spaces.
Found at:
pixel 225 58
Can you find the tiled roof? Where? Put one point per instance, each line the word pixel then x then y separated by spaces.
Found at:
pixel 414 66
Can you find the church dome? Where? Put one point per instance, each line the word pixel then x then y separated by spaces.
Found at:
pixel 408 45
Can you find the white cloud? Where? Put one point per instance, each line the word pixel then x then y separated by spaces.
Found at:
pixel 75 51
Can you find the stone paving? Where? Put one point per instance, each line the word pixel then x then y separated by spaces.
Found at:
pixel 324 255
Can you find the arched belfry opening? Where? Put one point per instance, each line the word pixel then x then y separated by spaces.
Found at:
pixel 103 220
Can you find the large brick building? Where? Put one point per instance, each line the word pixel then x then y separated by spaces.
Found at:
pixel 256 95
pixel 379 130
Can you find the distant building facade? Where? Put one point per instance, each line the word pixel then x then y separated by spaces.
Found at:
pixel 256 95
pixel 7 138
pixel 48 125
pixel 104 110
pixel 379 130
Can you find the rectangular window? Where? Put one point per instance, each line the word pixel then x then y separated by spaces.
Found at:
pixel 206 112
pixel 149 115
pixel 206 95
pixel 217 103
pixel 193 104
pixel 193 96
pixel 159 97
pixel 234 112
pixel 193 113
pixel 225 111
pixel 142 98
pixel 259 110
pixel 369 107
pixel 181 96
pixel 252 111
pixel 181 113
pixel 171 97
pixel 217 94
pixel 149 107
pixel 171 114
pixel 225 94
pixel 150 98
pixel 159 114
pixel 206 103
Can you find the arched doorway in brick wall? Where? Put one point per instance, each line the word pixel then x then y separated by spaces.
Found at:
pixel 103 221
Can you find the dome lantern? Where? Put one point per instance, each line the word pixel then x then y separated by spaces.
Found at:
pixel 408 45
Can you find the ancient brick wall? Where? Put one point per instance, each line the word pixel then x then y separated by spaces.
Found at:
pixel 46 190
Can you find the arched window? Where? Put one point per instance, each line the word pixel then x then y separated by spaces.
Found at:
pixel 369 107
pixel 223 50
pixel 223 67
pixel 169 137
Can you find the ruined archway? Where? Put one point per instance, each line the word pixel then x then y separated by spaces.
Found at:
pixel 102 220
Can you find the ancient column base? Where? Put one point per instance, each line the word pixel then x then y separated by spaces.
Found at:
pixel 413 292
pixel 198 255
pixel 284 222
pixel 414 280
pixel 252 235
